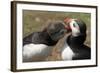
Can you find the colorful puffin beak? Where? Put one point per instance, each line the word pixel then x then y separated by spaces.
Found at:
pixel 68 27
pixel 67 22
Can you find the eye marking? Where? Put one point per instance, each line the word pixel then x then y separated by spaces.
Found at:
pixel 62 31
pixel 74 24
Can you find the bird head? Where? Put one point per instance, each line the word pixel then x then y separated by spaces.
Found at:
pixel 76 26
pixel 56 30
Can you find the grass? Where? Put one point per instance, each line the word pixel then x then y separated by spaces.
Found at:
pixel 34 21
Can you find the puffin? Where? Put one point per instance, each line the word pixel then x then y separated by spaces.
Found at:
pixel 74 47
pixel 38 45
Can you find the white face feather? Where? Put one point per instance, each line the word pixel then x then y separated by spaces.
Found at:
pixel 75 28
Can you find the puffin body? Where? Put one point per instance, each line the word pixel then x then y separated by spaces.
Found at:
pixel 67 53
pixel 38 45
pixel 36 52
pixel 74 48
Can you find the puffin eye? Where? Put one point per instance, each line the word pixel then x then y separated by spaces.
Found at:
pixel 74 25
pixel 62 31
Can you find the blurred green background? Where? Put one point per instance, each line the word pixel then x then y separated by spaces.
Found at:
pixel 34 21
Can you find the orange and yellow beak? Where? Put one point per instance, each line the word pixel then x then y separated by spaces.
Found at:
pixel 68 28
pixel 67 22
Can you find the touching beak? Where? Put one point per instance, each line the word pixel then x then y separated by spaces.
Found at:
pixel 67 22
pixel 68 28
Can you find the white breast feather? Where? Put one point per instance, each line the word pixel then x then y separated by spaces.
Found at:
pixel 67 53
pixel 31 51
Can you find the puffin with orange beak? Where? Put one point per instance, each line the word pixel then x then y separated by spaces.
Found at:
pixel 74 47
